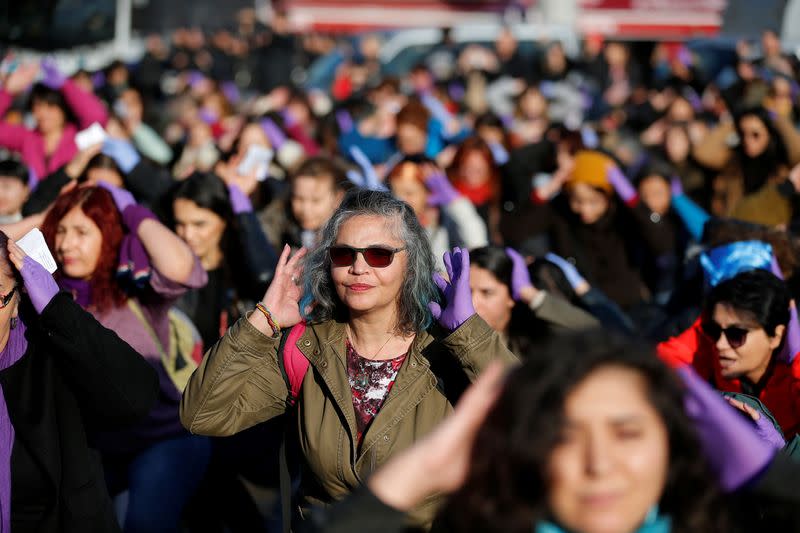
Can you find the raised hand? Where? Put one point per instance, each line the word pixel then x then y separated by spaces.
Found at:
pixel 21 78
pixel 282 298
pixel 240 203
pixel 442 191
pixel 719 427
pixel 457 294
pixel 122 198
pixel 122 152
pixel 520 276
pixel 53 78
pixel 576 281
pixel 39 283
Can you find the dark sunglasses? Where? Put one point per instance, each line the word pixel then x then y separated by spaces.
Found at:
pixel 375 256
pixel 736 336
pixel 5 300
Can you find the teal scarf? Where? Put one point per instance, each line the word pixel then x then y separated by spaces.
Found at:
pixel 653 523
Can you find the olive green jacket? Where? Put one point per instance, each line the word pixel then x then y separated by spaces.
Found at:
pixel 239 384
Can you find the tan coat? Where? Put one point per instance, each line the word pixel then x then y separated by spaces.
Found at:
pixel 239 384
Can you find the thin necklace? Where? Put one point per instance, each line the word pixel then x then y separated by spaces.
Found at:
pixel 350 337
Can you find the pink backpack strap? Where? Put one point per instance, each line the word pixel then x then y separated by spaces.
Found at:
pixel 295 364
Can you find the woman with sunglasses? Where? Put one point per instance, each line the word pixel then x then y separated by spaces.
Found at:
pixel 749 175
pixel 736 344
pixel 380 377
pixel 62 374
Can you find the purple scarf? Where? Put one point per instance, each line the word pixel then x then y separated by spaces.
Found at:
pixel 80 290
pixel 14 350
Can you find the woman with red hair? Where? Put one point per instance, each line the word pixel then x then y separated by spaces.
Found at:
pixel 475 175
pixel 97 234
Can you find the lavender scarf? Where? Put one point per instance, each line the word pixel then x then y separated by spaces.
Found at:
pixel 14 350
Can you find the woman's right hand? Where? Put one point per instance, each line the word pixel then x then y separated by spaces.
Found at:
pixel 22 78
pixel 39 283
pixel 282 298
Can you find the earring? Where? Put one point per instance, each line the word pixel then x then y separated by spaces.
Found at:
pixel 14 321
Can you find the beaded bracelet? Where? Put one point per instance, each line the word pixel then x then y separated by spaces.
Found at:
pixel 270 320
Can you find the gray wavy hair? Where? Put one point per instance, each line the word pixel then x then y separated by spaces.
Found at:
pixel 418 289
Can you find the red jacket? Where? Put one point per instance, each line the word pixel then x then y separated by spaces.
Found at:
pixel 781 393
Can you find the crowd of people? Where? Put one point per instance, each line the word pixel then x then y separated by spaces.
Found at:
pixel 508 290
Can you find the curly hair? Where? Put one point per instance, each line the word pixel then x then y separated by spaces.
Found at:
pixel 97 204
pixel 507 486
pixel 418 288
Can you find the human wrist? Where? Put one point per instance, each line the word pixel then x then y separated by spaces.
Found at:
pixel 529 294
pixel 402 483
pixel 272 324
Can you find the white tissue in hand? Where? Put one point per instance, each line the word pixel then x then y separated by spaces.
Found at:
pixel 94 134
pixel 34 245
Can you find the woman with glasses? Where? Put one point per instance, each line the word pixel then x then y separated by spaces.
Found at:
pixel 749 173
pixel 62 374
pixel 358 311
pixel 737 344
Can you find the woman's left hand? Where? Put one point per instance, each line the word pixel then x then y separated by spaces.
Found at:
pixel 122 197
pixel 457 294
pixel 764 426
pixel 521 284
pixel 39 283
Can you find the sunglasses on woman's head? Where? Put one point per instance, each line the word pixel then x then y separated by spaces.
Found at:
pixel 375 256
pixel 736 336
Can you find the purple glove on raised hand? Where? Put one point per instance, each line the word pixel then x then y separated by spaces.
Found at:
pixel 240 203
pixel 344 120
pixel 275 135
pixel 457 294
pixel 570 272
pixel 53 78
pixel 122 152
pixel 39 284
pixel 442 191
pixel 371 180
pixel 675 186
pixel 122 198
pixel 732 446
pixel 520 276
pixel 621 184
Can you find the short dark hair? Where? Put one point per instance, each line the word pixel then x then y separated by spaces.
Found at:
pixel 758 293
pixel 323 167
pixel 10 168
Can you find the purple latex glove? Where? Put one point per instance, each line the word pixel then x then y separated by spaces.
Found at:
pixel 520 276
pixel 122 152
pixel 240 203
pixel 371 180
pixel 53 78
pixel 39 284
pixel 499 153
pixel 675 186
pixel 344 120
pixel 621 184
pixel 98 80
pixel 442 191
pixel 436 108
pixel 732 446
pixel 457 294
pixel 122 198
pixel 231 92
pixel 208 116
pixel 288 118
pixel 275 135
pixel 33 179
pixel 570 272
pixel 791 343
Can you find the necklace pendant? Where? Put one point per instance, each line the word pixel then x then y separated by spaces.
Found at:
pixel 361 380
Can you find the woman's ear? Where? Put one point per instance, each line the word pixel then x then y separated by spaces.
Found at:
pixel 776 339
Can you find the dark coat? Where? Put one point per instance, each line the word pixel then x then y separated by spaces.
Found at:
pixel 75 376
